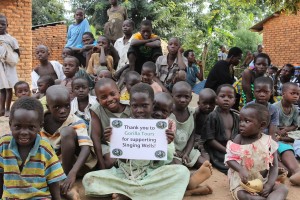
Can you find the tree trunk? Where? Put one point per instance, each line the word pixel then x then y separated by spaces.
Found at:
pixel 204 57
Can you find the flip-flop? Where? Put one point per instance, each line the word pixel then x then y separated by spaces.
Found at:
pixel 254 186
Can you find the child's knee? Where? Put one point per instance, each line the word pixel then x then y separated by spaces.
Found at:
pixel 282 189
pixel 68 133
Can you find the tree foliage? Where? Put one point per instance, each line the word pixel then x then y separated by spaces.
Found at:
pixel 47 11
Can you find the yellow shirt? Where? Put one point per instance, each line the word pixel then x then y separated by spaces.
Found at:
pixel 94 63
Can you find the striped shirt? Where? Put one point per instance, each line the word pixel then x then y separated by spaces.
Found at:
pixel 40 169
pixel 77 124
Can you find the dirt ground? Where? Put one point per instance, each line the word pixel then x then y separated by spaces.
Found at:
pixel 218 181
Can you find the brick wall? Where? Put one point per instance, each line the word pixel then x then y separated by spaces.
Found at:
pixel 18 13
pixel 53 36
pixel 281 38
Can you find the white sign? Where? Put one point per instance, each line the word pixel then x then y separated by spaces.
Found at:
pixel 140 139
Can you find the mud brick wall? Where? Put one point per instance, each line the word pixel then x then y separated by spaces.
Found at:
pixel 281 38
pixel 53 36
pixel 19 14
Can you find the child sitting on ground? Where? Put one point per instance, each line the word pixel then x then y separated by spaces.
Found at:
pixel 288 112
pixel 25 151
pixel 263 87
pixel 51 68
pixel 206 104
pixel 221 125
pixel 101 59
pixel 22 89
pixel 108 106
pixel 68 135
pixel 162 109
pixel 131 78
pixel 252 155
pixel 144 177
pixel 171 67
pixel 145 46
pixel 71 67
pixel 148 73
pixel 184 118
pixel 43 83
pixel 82 102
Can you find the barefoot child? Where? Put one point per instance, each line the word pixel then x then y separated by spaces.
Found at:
pixel 24 150
pixel 206 104
pixel 51 68
pixel 82 102
pixel 252 155
pixel 108 106
pixel 148 73
pixel 22 89
pixel 162 108
pixel 221 125
pixel 140 179
pixel 9 57
pixel 130 79
pixel 184 118
pixel 263 87
pixel 68 135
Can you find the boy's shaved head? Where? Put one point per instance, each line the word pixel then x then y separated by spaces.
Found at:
pixel 182 84
pixel 164 97
pixel 174 39
pixel 57 92
pixel 41 46
pixel 207 93
pixel 288 85
pixel 105 81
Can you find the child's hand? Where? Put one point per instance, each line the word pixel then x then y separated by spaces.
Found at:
pixel 179 154
pixel 282 132
pixel 107 133
pixel 267 190
pixel 170 135
pixel 185 158
pixel 154 39
pixel 180 50
pixel 244 175
pixel 67 184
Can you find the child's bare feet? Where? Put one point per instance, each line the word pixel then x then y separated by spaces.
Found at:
pixel 199 190
pixel 282 175
pixel 119 197
pixel 295 178
pixel 73 194
pixel 199 176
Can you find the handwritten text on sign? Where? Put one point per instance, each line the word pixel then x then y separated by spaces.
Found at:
pixel 141 139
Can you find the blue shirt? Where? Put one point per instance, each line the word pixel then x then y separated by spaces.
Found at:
pixel 191 72
pixel 75 33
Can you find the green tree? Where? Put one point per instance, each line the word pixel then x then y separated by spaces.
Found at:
pixel 47 11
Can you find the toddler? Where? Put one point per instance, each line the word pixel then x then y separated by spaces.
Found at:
pixel 252 155
pixel 148 73
pixel 22 89
pixel 131 78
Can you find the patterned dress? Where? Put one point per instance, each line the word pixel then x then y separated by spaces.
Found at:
pixel 255 157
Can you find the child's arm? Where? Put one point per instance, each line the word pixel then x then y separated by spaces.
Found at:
pixel 216 145
pixel 283 130
pixel 55 190
pixel 246 86
pixel 96 138
pixel 238 168
pixel 180 62
pixel 188 148
pixel 273 173
pixel 153 44
pixel 103 61
pixel 1 184
pixel 71 178
pixel 136 42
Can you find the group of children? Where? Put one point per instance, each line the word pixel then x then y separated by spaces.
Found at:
pixel 66 133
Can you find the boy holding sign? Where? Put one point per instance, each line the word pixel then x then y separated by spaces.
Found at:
pixel 137 179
